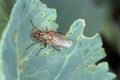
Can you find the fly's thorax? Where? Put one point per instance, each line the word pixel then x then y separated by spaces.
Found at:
pixel 45 35
pixel 51 33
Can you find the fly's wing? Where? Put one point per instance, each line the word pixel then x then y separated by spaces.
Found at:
pixel 59 40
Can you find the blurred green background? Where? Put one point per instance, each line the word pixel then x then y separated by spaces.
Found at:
pixel 101 16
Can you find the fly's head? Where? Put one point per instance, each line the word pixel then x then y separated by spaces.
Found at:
pixel 36 34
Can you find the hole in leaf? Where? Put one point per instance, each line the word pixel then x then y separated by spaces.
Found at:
pixel 50 19
pixel 42 14
pixel 52 52
pixel 44 54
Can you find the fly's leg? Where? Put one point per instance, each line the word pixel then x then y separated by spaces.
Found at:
pixel 31 45
pixel 58 50
pixel 41 49
pixel 34 27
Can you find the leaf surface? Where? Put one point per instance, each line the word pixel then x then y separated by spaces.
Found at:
pixel 77 62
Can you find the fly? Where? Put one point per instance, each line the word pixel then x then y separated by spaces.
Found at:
pixel 52 38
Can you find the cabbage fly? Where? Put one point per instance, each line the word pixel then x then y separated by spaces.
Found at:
pixel 52 38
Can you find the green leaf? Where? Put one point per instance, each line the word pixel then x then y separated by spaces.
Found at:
pixel 78 62
pixel 5 9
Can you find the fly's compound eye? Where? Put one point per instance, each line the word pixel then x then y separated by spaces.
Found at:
pixel 36 34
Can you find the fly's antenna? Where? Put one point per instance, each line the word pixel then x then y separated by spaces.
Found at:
pixel 34 27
